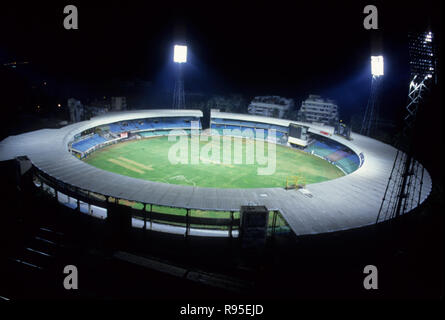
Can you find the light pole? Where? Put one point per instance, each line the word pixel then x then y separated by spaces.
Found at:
pixel 370 119
pixel 179 57
pixel 404 188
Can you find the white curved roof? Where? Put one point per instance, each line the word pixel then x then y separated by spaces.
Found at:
pixel 347 202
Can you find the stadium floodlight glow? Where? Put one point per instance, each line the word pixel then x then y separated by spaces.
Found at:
pixel 377 65
pixel 180 54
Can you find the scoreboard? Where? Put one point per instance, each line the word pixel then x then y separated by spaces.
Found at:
pixel 298 134
pixel 295 131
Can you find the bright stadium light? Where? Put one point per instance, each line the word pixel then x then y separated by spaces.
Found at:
pixel 180 54
pixel 377 65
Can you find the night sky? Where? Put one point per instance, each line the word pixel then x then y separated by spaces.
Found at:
pixel 286 48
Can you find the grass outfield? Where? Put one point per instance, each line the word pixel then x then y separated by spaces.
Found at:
pixel 148 159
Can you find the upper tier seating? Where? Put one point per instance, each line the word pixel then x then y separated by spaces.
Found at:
pixel 151 124
pixel 280 137
pixel 242 124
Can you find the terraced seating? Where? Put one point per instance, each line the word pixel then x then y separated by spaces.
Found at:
pixel 153 133
pixel 147 124
pixel 233 127
pixel 170 125
pixel 279 128
pixel 245 132
pixel 321 149
pixel 349 163
pixel 116 128
pixel 347 160
pixel 88 143
pixel 243 124
pixel 256 125
pixel 217 126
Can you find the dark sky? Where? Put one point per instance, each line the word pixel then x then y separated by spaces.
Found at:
pixel 289 48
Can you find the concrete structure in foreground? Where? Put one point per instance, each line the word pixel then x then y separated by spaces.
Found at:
pixel 351 201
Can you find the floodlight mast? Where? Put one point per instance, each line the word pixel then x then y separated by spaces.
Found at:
pixel 371 117
pixel 179 57
pixel 404 187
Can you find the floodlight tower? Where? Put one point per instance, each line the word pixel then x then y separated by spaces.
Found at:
pixel 404 187
pixel 179 57
pixel 370 119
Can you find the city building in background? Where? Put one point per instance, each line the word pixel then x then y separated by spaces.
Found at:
pixel 228 103
pixel 270 106
pixel 118 103
pixel 76 111
pixel 79 112
pixel 315 109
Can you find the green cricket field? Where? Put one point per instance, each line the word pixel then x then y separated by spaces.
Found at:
pixel 150 159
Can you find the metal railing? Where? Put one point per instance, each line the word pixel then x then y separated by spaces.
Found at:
pixel 150 214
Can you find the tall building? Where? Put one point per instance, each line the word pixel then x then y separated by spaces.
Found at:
pixel 76 110
pixel 228 103
pixel 118 103
pixel 319 110
pixel 79 111
pixel 270 106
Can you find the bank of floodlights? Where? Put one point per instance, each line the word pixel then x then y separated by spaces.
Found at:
pixel 404 187
pixel 180 54
pixel 377 66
